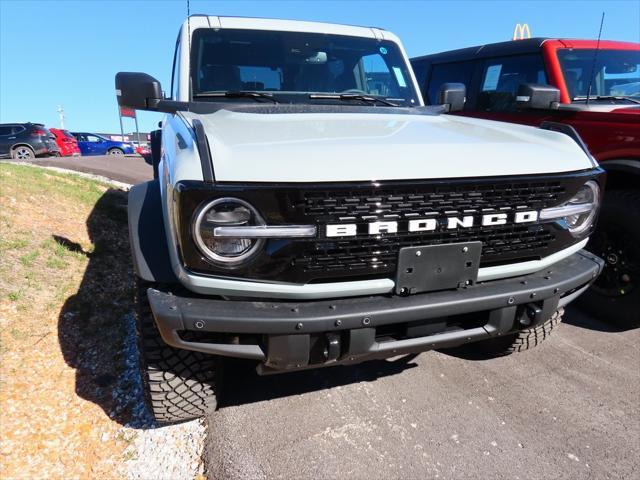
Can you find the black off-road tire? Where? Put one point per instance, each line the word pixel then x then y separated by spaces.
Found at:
pixel 519 341
pixel 178 384
pixel 617 241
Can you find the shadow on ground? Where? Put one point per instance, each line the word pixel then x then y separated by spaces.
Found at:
pixel 92 325
pixel 579 318
pixel 243 385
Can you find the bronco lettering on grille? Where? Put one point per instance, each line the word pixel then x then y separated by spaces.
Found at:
pixel 432 224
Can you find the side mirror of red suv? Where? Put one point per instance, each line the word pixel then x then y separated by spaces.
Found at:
pixel 534 96
pixel 453 96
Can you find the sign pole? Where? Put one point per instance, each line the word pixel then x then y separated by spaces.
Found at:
pixel 121 130
pixel 135 117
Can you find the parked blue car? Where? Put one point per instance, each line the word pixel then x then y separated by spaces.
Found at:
pixel 93 144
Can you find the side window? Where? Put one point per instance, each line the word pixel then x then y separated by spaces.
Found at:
pixel 175 75
pixel 501 78
pixel 5 131
pixel 448 73
pixel 17 129
pixel 80 137
pixel 93 138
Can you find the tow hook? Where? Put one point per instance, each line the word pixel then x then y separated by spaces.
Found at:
pixel 534 314
pixel 332 348
pixel 531 316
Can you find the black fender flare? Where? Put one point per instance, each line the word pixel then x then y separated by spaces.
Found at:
pixel 622 165
pixel 147 235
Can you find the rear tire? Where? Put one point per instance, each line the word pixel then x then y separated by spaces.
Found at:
pixel 615 295
pixel 22 152
pixel 519 341
pixel 115 151
pixel 178 384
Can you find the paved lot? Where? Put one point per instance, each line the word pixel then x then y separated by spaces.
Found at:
pixel 568 409
pixel 126 169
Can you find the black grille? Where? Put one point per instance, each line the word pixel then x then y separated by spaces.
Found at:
pixel 363 256
pixel 330 206
pixel 366 254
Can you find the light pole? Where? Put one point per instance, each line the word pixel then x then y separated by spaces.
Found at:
pixel 61 114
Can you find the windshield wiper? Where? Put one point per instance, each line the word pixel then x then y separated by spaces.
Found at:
pixel 238 94
pixel 606 97
pixel 352 96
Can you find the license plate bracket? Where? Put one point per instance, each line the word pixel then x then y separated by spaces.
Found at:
pixel 437 267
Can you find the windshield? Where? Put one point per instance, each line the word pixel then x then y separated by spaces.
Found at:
pixel 290 65
pixel 616 73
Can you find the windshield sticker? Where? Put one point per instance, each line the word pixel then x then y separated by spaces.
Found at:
pixel 491 78
pixel 399 77
pixel 383 50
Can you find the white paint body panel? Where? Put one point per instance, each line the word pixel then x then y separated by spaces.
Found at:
pixel 335 147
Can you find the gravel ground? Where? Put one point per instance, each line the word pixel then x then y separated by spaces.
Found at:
pixel 170 452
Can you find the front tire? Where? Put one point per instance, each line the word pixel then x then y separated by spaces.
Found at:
pixel 519 341
pixel 115 151
pixel 615 295
pixel 178 384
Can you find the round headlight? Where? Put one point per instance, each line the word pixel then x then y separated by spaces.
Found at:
pixel 588 197
pixel 226 212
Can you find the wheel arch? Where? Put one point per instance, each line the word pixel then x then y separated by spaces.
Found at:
pixel 22 144
pixel 622 174
pixel 147 237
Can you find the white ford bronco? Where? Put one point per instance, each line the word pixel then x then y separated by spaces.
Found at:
pixel 308 210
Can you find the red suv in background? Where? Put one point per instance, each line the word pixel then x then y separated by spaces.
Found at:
pixel 542 80
pixel 66 142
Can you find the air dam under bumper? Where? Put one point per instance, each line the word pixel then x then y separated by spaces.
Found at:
pixel 294 335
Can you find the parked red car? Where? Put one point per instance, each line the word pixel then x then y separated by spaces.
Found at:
pixel 142 149
pixel 506 81
pixel 66 142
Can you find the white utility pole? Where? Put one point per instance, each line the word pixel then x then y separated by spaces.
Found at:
pixel 61 114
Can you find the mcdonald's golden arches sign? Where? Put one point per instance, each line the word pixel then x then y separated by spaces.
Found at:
pixel 521 31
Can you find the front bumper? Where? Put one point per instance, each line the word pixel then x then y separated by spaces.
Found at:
pixel 293 335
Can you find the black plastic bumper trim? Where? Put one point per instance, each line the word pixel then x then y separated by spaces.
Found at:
pixel 174 313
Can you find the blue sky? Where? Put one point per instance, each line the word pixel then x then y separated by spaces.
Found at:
pixel 67 52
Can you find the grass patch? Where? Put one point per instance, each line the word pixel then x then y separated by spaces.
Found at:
pixel 29 258
pixel 56 263
pixel 50 225
pixel 14 296
pixel 65 269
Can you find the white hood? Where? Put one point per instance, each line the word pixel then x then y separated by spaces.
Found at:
pixel 334 147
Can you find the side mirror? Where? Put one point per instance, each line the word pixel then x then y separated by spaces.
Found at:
pixel 453 96
pixel 138 90
pixel 534 96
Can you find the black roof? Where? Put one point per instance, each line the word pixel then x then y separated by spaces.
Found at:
pixel 512 47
